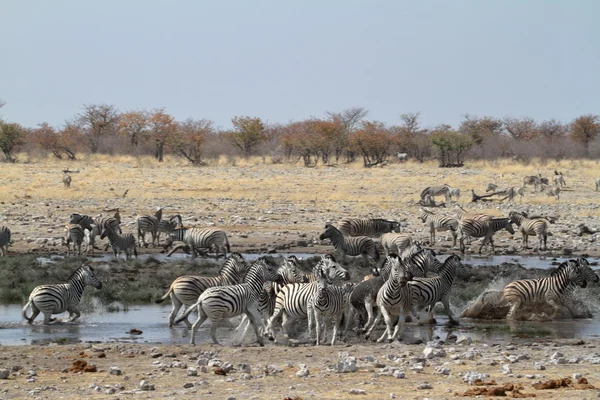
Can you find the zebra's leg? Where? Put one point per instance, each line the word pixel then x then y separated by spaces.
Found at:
pixel 34 313
pixel 375 322
pixel 201 318
pixel 318 325
pixel 432 234
pixel 73 314
pixel 543 238
pixel 446 302
pixel 254 318
pixel 389 324
pixel 399 329
pixel 514 306
pixel 369 308
pixel 176 306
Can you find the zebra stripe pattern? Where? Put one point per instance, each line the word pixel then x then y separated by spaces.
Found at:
pixel 58 298
pixel 201 238
pixel 393 299
pixel 74 234
pixel 433 191
pixel 293 299
pixel 532 180
pixel 350 246
pixel 148 224
pixel 120 242
pixel 551 289
pixel 220 302
pixel 167 225
pixel 329 305
pixel 4 240
pixel 395 242
pixel 531 227
pixel 428 291
pixel 483 229
pixel 438 223
pixel 367 227
pixel 185 290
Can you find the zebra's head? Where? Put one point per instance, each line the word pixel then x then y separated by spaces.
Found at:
pixel 289 271
pixel 89 277
pixel 588 273
pixel 508 226
pixel 268 272
pixel 334 271
pixel 398 270
pixel 330 231
pixel 395 226
pixel 106 229
pixel 516 217
pixel 491 187
pixel 574 272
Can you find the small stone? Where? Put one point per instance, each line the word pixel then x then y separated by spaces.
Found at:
pixel 357 391
pixel 506 369
pixel 303 372
pixel 145 385
pixel 188 385
pixel 399 374
pixel 110 391
pixel 442 370
pixel 191 371
pixel 424 386
pixel 156 355
pixel 539 366
pixel 464 340
pixel 576 376
pixel 115 371
pixel 4 373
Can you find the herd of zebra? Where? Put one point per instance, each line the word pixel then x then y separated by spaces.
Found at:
pixel 270 297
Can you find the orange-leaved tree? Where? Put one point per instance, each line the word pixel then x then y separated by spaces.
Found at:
pixel 135 125
pixel 373 141
pixel 191 138
pixel 162 128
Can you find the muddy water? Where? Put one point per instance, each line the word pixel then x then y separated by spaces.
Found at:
pixel 152 320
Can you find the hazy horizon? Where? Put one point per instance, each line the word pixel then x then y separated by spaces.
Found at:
pixel 285 61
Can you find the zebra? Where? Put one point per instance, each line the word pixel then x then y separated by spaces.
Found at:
pixel 58 298
pixel 148 224
pixel 597 182
pixel 454 193
pixel 350 246
pixel 509 192
pixel 185 290
pixel 66 180
pixel 551 289
pixel 293 299
pixel 558 179
pixel 120 242
pixel 395 242
pixel 4 240
pixel 329 305
pixel 393 299
pixel 484 229
pixel 438 223
pixel 533 180
pixel 367 227
pixel 530 226
pixel 402 156
pixel 201 238
pixel 75 234
pixel 441 190
pixel 167 225
pixel 95 226
pixel 426 292
pixel 555 192
pixel 219 302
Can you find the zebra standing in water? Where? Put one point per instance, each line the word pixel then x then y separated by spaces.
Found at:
pixel 120 242
pixel 74 234
pixel 433 191
pixel 168 225
pixel 367 227
pixel 58 298
pixel 393 301
pixel 550 290
pixel 148 224
pixel 201 238
pixel 292 300
pixel 484 229
pixel 350 246
pixel 4 240
pixel 438 223
pixel 534 227
pixel 329 305
pixel 395 242
pixel 185 290
pixel 220 302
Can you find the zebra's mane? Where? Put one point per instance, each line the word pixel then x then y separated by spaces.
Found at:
pixel 78 271
pixel 564 267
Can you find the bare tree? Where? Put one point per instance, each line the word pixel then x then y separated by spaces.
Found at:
pixel 521 128
pixel 162 128
pixel 585 129
pixel 349 119
pixel 99 121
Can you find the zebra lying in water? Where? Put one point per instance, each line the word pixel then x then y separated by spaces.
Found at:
pixel 58 298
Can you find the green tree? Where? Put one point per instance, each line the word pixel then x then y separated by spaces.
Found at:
pixel 12 135
pixel 450 144
pixel 248 133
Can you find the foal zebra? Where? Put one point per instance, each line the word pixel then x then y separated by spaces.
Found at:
pixel 167 225
pixel 531 227
pixel 367 227
pixel 292 300
pixel 74 234
pixel 550 290
pixel 220 302
pixel 438 223
pixel 350 246
pixel 395 242
pixel 148 224
pixel 201 238
pixel 58 298
pixel 120 242
pixel 185 290
pixel 4 239
pixel 484 229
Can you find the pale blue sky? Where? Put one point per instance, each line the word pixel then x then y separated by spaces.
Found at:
pixel 289 60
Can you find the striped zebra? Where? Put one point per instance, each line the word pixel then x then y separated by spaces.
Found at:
pixel 531 227
pixel 433 191
pixel 4 240
pixel 67 180
pixel 329 305
pixel 120 242
pixel 185 290
pixel 395 242
pixel 532 180
pixel 393 301
pixel 168 225
pixel 148 224
pixel 554 192
pixel 201 238
pixel 58 298
pixel 438 223
pixel 558 179
pixel 74 234
pixel 367 227
pixel 510 192
pixel 220 302
pixel 350 246
pixel 550 290
pixel 426 292
pixel 293 299
pixel 483 229
pixel 94 226
pixel 454 194
pixel 597 182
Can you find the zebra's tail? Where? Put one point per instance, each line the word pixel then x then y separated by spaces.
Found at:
pixel 188 311
pixel 25 311
pixel 161 299
pixel 227 244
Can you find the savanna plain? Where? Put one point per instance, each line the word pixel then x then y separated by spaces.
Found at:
pixel 281 208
